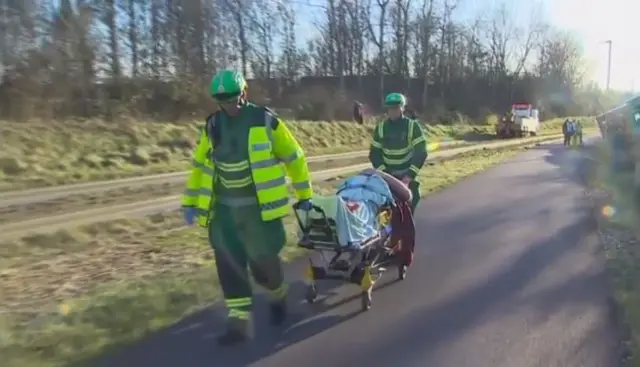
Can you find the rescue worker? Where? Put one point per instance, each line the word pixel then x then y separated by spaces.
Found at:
pixel 399 146
pixel 508 117
pixel 358 114
pixel 577 134
pixel 565 131
pixel 237 189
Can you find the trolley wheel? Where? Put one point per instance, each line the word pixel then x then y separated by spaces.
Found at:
pixel 402 272
pixel 311 294
pixel 366 300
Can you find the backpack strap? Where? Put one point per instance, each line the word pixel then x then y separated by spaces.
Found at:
pixel 270 122
pixel 212 127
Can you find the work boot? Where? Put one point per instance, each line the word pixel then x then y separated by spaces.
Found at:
pixel 238 331
pixel 278 310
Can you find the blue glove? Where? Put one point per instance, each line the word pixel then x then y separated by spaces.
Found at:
pixel 305 205
pixel 189 215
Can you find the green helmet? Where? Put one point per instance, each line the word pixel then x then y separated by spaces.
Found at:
pixel 395 99
pixel 227 85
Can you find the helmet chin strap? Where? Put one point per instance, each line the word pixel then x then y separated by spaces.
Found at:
pixel 242 100
pixel 243 97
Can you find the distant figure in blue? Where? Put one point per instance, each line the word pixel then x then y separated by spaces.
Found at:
pixel 568 129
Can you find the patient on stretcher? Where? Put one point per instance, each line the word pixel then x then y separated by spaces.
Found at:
pixel 355 208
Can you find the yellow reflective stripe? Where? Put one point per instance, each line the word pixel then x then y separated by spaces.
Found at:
pixel 397 162
pixel 238 302
pixel 265 163
pixel 376 144
pixel 201 191
pixel 273 205
pixel 234 167
pixel 401 151
pixel 271 183
pixel 414 169
pixel 239 314
pixel 203 167
pixel 290 158
pixel 417 141
pixel 189 192
pixel 233 184
pixel 381 130
pixel 412 125
pixel 381 167
pixel 302 185
pixel 280 292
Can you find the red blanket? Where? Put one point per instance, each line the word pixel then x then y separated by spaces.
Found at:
pixel 403 231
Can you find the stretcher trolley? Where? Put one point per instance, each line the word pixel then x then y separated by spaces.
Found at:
pixel 362 263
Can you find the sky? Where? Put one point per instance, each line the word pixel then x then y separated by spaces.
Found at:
pixel 595 21
pixel 591 22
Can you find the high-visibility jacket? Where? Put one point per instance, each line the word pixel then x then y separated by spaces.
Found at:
pixel 273 154
pixel 398 147
pixel 578 127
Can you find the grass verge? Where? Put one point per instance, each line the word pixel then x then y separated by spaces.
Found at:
pixel 37 154
pixel 123 195
pixel 74 294
pixel 612 194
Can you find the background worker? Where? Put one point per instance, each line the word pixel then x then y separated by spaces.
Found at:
pixel 577 135
pixel 567 128
pixel 358 113
pixel 237 189
pixel 399 146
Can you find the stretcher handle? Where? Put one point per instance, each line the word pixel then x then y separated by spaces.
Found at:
pixel 315 208
pixel 305 227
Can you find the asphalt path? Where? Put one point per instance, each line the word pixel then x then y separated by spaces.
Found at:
pixel 507 273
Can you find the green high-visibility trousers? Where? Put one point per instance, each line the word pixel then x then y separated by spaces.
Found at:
pixel 240 240
pixel 414 187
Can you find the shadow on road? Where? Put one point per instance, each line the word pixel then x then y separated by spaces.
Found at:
pixel 445 322
pixel 191 342
pixel 572 164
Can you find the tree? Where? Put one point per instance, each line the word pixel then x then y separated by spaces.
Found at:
pixel 154 58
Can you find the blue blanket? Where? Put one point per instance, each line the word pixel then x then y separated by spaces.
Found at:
pixel 355 208
pixel 364 196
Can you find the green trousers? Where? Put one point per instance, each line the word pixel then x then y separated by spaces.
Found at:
pixel 577 138
pixel 414 186
pixel 241 240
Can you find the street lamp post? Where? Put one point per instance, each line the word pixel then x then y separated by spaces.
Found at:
pixel 609 42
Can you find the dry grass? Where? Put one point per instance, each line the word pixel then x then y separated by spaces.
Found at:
pixel 613 197
pixel 70 295
pixel 38 154
pixel 124 195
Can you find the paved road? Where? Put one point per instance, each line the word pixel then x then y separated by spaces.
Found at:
pixel 507 274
